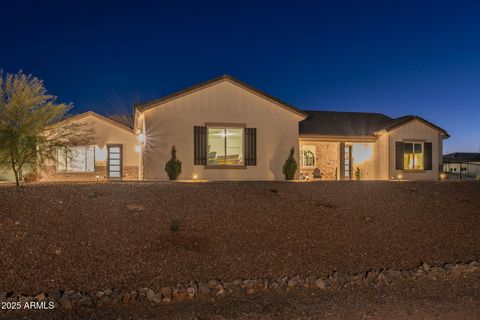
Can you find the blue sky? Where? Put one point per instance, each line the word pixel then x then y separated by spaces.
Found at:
pixel 397 58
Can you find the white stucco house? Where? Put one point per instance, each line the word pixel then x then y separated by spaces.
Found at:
pixel 224 129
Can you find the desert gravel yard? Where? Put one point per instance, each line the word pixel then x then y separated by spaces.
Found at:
pixel 92 236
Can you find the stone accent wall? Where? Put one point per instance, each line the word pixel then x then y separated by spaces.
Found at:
pixel 326 159
pixel 50 174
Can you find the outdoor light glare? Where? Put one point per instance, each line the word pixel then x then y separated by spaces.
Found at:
pixel 399 177
pixel 195 177
pixel 141 137
pixel 138 148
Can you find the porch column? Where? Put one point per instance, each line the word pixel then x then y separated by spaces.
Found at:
pixel 342 161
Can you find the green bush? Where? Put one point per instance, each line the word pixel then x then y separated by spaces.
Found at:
pixel 357 174
pixel 175 223
pixel 290 166
pixel 173 167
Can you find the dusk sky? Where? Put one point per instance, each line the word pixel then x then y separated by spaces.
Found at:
pixel 397 58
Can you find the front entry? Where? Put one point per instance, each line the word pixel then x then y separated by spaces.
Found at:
pixel 114 162
pixel 348 163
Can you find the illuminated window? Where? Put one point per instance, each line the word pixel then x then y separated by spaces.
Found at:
pixel 76 159
pixel 413 156
pixel 225 147
pixel 307 156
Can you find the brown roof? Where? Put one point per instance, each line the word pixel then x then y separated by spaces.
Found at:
pixel 334 123
pixel 149 104
pixel 458 157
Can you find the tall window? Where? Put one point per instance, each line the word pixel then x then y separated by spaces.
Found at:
pixel 413 156
pixel 307 156
pixel 225 147
pixel 79 159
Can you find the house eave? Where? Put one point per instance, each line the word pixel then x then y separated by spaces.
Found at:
pixel 336 138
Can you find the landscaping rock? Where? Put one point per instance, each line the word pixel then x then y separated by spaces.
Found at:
pixel 166 294
pixel 320 284
pixel 191 292
pixel 40 297
pixel 65 301
pixel 203 290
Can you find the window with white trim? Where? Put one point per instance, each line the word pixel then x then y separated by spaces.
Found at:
pixel 307 156
pixel 76 159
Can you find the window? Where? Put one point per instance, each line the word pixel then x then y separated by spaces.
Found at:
pixel 413 156
pixel 307 156
pixel 225 147
pixel 78 159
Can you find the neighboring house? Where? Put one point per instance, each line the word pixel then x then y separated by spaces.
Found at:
pixel 462 164
pixel 224 129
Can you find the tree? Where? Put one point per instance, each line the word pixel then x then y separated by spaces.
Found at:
pixel 290 166
pixel 29 130
pixel 173 167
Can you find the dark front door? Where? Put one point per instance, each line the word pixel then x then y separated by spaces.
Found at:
pixel 114 162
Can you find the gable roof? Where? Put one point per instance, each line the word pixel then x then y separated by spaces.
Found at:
pixel 462 157
pixel 152 103
pixel 354 124
pixel 398 122
pixel 95 115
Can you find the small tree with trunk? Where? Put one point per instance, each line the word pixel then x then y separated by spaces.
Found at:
pixel 29 133
pixel 290 166
pixel 174 166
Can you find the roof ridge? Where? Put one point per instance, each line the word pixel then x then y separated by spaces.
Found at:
pixel 356 112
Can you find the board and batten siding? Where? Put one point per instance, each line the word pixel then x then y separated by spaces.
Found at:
pixel 172 123
pixel 415 131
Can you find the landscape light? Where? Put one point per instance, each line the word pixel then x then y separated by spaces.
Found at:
pixel 97 177
pixel 195 177
pixel 399 176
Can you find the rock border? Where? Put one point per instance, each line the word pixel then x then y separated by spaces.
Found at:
pixel 215 288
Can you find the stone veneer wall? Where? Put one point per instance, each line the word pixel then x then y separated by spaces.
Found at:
pixel 326 159
pixel 51 174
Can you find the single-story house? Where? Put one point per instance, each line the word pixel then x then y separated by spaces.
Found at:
pixel 225 129
pixel 462 164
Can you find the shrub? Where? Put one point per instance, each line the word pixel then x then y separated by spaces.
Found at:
pixel 174 166
pixel 175 223
pixel 290 166
pixel 357 173
pixel 30 177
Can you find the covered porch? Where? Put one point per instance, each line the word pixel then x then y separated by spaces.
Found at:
pixel 338 159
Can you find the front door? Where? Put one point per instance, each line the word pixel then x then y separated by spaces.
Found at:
pixel 348 163
pixel 114 162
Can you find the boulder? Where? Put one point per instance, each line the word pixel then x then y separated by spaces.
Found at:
pixel 320 284
pixel 40 297
pixel 65 301
pixel 166 294
pixel 203 290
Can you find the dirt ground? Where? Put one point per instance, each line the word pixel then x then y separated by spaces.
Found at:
pixel 116 235
pixel 449 299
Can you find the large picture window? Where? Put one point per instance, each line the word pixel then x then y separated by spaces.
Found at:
pixel 225 147
pixel 413 156
pixel 78 159
pixel 307 156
